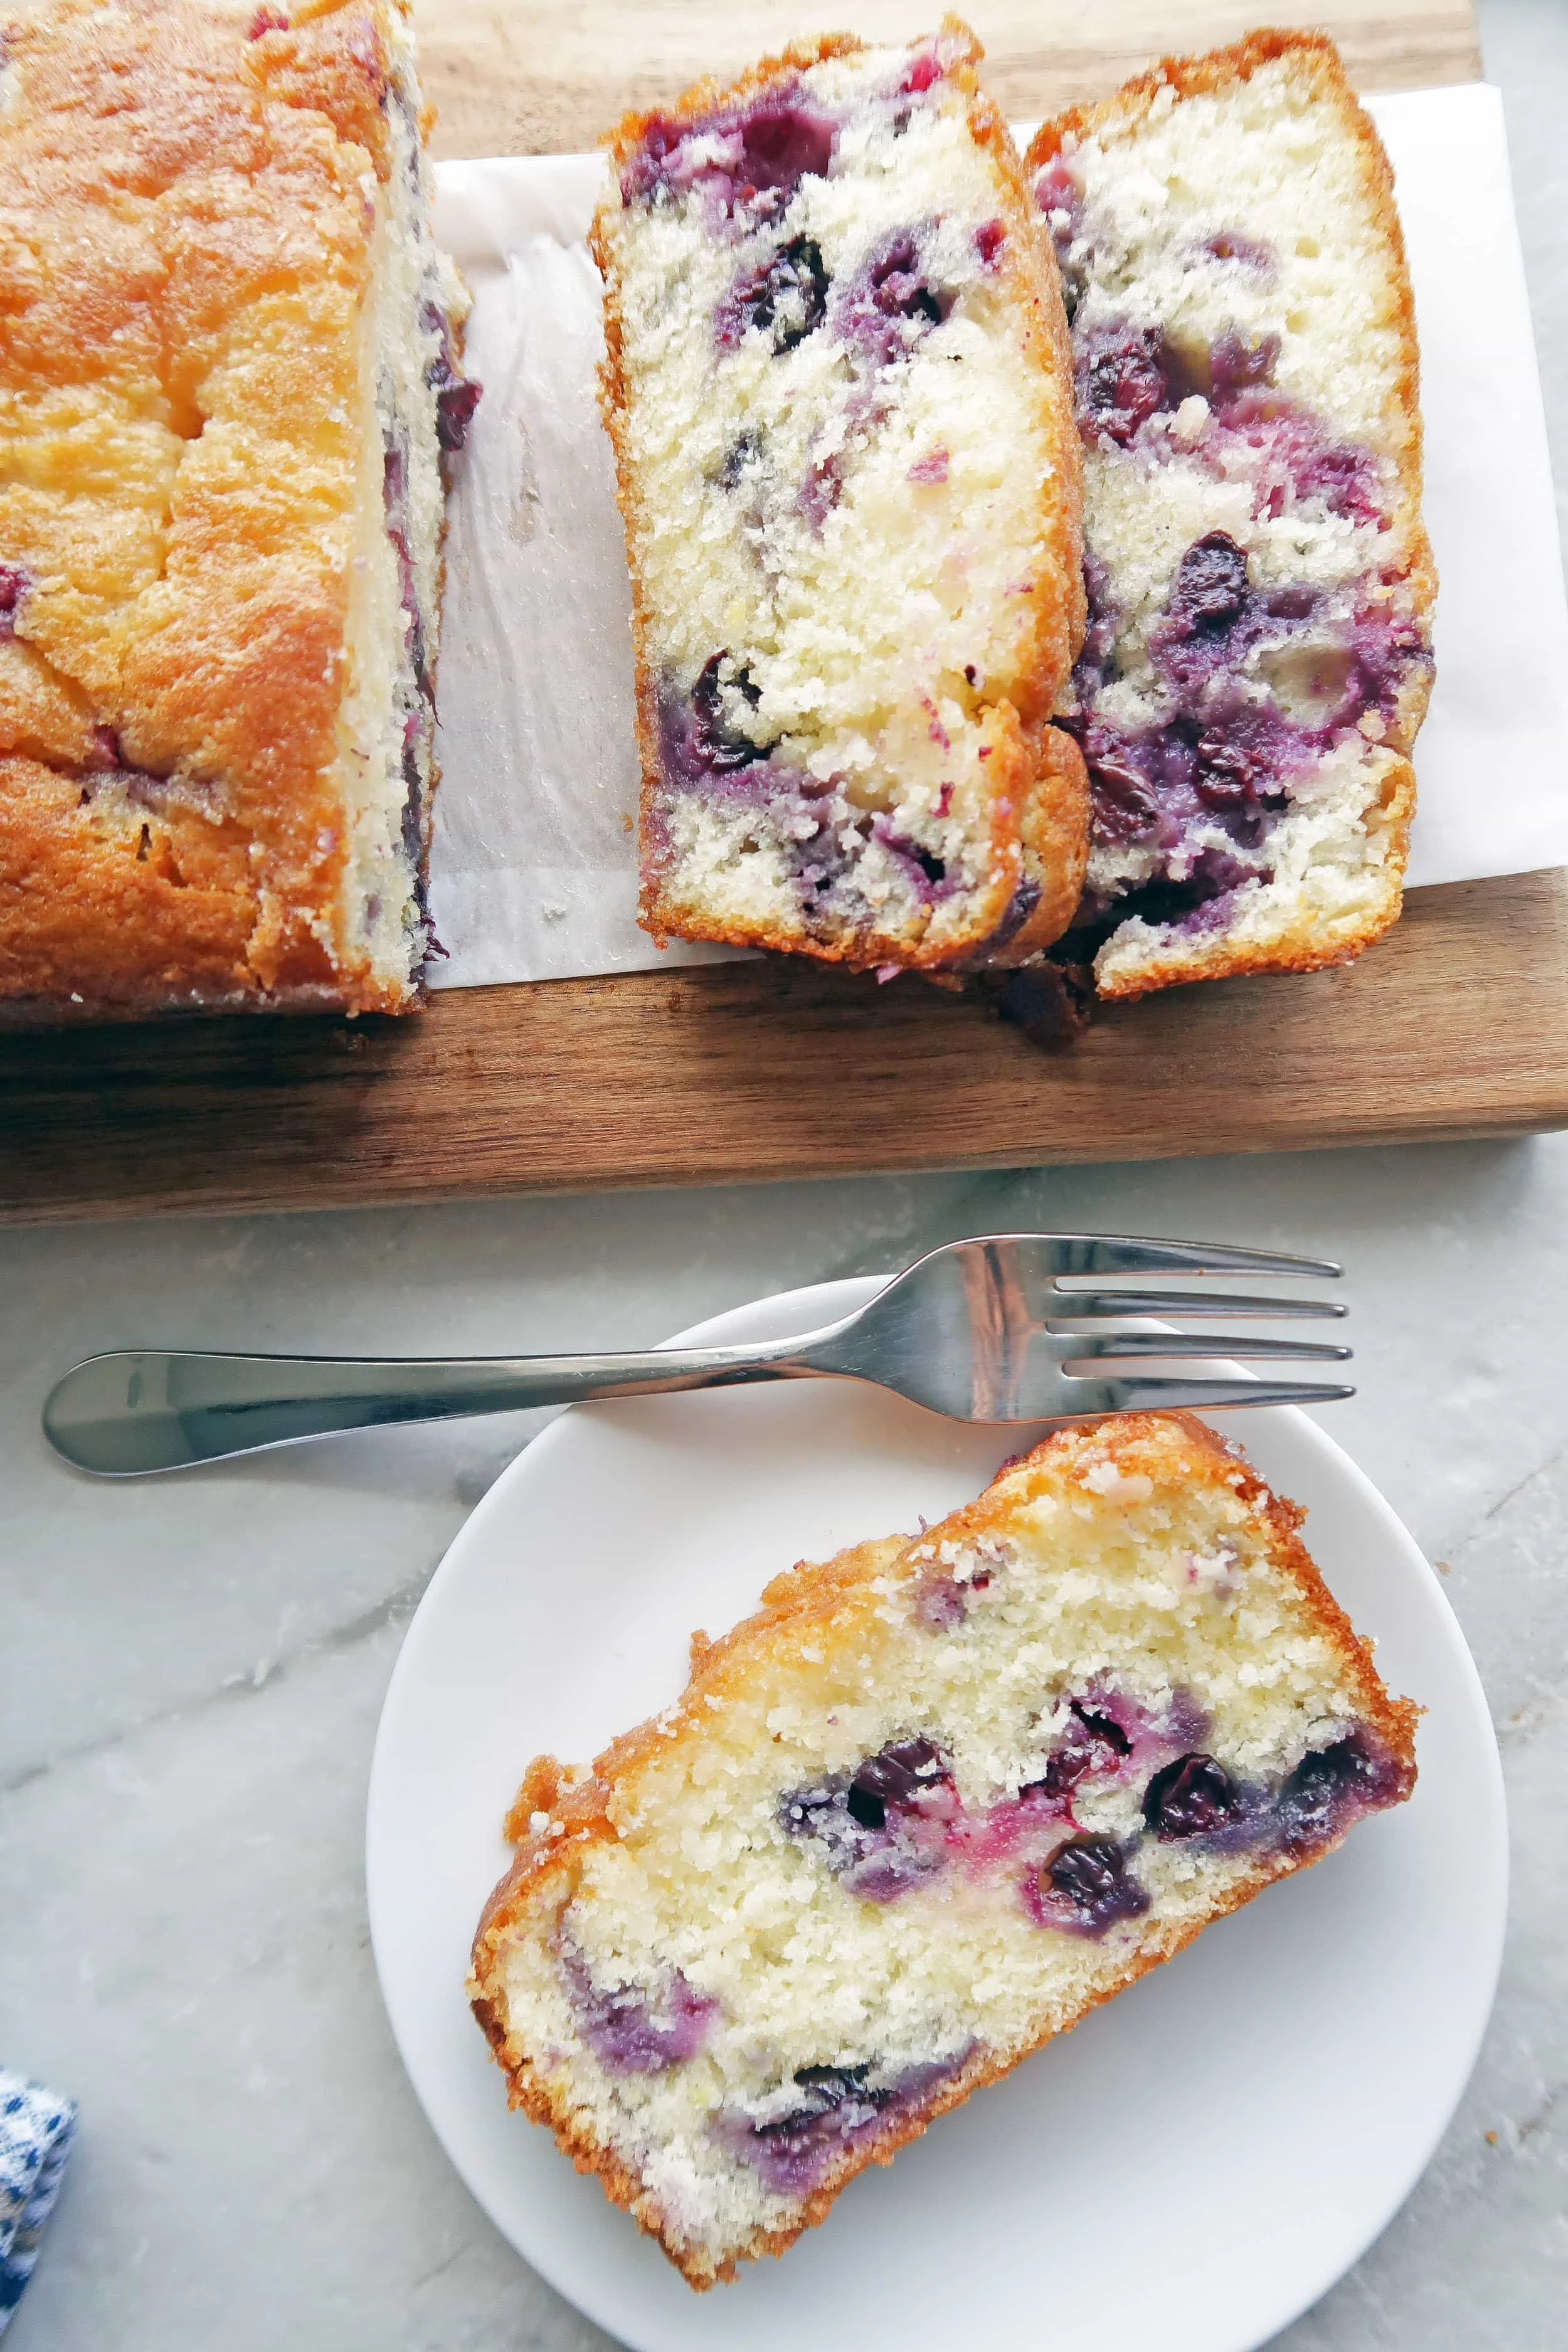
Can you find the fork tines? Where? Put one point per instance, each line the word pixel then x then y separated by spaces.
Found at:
pixel 1090 1353
pixel 1099 1254
pixel 1109 1305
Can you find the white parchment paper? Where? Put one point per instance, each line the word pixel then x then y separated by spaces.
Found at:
pixel 533 867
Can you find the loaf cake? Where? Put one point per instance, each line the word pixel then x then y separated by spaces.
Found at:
pixel 838 383
pixel 1258 657
pixel 938 1797
pixel 227 379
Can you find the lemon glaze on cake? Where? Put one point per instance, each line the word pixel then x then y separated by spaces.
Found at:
pixel 227 370
pixel 837 381
pixel 1258 661
pixel 938 1797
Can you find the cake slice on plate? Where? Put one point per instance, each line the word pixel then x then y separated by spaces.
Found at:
pixel 1258 660
pixel 938 1797
pixel 838 387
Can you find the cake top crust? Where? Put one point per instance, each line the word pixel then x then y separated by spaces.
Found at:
pixel 187 202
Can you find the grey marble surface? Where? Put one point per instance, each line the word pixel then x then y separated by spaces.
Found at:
pixel 190 1673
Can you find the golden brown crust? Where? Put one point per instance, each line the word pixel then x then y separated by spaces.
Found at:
pixel 188 249
pixel 1037 795
pixel 1314 59
pixel 558 1816
pixel 1054 835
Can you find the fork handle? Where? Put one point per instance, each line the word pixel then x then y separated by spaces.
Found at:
pixel 146 1409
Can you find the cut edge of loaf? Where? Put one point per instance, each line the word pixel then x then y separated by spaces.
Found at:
pixel 1276 928
pixel 1038 798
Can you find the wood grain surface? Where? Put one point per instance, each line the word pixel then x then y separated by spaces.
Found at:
pixel 1456 1026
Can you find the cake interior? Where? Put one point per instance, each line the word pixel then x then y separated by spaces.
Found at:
pixel 980 1780
pixel 1256 663
pixel 415 407
pixel 837 443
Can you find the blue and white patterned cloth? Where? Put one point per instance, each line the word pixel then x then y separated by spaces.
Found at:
pixel 36 2130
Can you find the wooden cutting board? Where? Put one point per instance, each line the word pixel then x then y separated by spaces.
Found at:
pixel 1456 1025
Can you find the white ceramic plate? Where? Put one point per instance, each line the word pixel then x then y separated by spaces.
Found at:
pixel 1194 2165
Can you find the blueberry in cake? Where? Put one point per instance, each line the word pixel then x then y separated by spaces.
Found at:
pixel 229 379
pixel 838 383
pixel 938 1797
pixel 1258 660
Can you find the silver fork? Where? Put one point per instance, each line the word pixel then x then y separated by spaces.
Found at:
pixel 980 1330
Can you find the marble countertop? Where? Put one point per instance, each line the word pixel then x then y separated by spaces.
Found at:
pixel 192 1670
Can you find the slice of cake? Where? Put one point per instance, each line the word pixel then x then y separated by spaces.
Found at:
pixel 227 378
pixel 838 383
pixel 936 1800
pixel 1260 587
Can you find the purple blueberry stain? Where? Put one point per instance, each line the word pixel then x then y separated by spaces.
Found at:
pixel 1020 907
pixel 940 1602
pixel 1121 377
pixel 1236 366
pixel 805 819
pixel 895 1822
pixel 783 143
pixel 743 453
pixel 989 239
pixel 1060 196
pixel 1225 758
pixel 925 872
pixel 455 406
pixel 1333 1787
pixel 900 1774
pixel 1086 1888
pixel 783 297
pixel 15 580
pixel 890 303
pixel 394 494
pixel 1292 459
pixel 824 2114
pixel 1194 1797
pixel 725 746
pixel 752 158
pixel 457 396
pixel 631 2032
pixel 822 840
pixel 1124 375
pixel 700 738
pixel 1093 1745
pixel 828 469
pixel 882 1827
pixel 923 73
pixel 1254 254
pixel 1210 589
pixel 1103 625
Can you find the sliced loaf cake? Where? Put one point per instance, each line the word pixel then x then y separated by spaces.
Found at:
pixel 228 385
pixel 1260 587
pixel 838 385
pixel 931 1805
